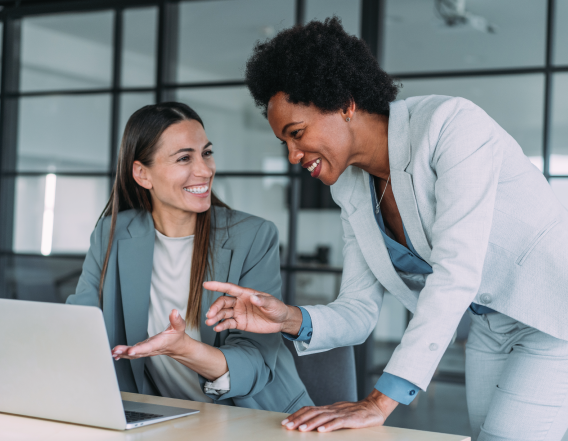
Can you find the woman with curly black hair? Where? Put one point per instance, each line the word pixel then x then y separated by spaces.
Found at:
pixel 441 208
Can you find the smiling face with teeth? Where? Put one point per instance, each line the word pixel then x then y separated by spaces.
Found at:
pixel 181 174
pixel 326 143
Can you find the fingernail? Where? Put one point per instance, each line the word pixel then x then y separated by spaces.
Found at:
pixel 118 352
pixel 303 427
pixel 284 422
pixel 290 425
pixel 132 353
pixel 254 298
pixel 321 428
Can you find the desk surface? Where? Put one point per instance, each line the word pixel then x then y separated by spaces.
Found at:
pixel 214 422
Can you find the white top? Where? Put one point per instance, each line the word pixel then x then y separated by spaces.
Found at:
pixel 169 290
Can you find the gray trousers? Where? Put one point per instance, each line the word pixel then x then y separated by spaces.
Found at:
pixel 516 381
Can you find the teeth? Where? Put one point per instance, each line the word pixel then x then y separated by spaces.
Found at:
pixel 312 167
pixel 197 190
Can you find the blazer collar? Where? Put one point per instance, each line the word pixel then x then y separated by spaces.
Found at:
pixel 372 244
pixel 400 155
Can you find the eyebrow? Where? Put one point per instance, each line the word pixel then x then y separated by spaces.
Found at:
pixel 290 124
pixel 189 149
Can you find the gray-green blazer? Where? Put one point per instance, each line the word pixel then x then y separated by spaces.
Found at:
pixel 245 252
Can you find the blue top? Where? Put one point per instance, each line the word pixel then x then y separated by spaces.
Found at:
pixel 403 259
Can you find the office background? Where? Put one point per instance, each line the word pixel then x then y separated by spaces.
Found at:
pixel 72 72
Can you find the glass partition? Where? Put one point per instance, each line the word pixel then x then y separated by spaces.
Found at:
pixel 559 125
pixel 484 35
pixel 216 37
pixel 139 47
pixel 68 133
pixel 67 51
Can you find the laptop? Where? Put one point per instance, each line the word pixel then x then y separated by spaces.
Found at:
pixel 56 363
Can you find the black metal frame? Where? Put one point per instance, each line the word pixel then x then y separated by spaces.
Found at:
pixel 372 29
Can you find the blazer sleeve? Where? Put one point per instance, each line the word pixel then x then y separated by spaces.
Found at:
pixel 351 318
pixel 466 157
pixel 87 292
pixel 251 358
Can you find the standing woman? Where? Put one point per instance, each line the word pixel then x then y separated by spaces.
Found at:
pixel 441 208
pixel 161 235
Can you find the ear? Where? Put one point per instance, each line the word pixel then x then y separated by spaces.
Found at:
pixel 349 111
pixel 140 174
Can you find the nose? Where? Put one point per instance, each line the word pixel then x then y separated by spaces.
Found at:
pixel 294 155
pixel 202 169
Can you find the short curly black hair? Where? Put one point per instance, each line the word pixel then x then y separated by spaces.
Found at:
pixel 320 64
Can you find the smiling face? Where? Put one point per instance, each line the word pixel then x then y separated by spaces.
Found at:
pixel 181 175
pixel 322 142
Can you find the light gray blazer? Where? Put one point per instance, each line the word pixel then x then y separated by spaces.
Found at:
pixel 476 209
pixel 263 374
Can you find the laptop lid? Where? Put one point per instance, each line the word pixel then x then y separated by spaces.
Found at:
pixel 55 363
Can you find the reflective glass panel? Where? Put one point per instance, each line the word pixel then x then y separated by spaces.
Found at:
pixel 515 102
pixel 40 279
pixel 559 126
pixel 67 51
pixel 139 47
pixel 560 187
pixel 264 197
pixel 242 138
pixel 216 38
pixel 486 34
pixel 57 214
pixel 64 133
pixel 561 33
pixel 349 12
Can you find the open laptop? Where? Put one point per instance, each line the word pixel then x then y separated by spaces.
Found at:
pixel 56 363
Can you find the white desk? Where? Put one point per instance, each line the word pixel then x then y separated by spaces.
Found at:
pixel 213 423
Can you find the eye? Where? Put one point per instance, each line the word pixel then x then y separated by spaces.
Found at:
pixel 208 153
pixel 294 133
pixel 184 158
pixel 284 143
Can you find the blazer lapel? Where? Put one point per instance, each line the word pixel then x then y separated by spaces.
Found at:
pixel 372 243
pixel 402 186
pixel 221 267
pixel 135 259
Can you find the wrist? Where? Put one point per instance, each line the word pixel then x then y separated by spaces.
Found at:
pixel 181 347
pixel 384 403
pixel 293 321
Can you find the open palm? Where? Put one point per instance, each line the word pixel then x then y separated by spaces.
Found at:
pixel 164 343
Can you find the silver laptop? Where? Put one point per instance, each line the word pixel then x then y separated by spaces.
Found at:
pixel 55 363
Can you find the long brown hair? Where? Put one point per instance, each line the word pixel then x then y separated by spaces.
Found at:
pixel 139 143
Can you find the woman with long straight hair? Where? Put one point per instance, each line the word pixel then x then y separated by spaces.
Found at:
pixel 162 234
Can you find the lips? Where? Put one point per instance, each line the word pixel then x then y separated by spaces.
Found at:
pixel 314 167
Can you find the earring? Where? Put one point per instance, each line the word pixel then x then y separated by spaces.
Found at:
pixel 347 119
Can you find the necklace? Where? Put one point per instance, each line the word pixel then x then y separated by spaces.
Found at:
pixel 378 207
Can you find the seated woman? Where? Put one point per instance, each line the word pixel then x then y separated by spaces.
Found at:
pixel 162 234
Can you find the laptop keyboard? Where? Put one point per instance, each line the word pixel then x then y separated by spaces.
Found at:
pixel 133 417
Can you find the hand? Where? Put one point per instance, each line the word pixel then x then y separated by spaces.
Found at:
pixel 168 342
pixel 250 310
pixel 371 411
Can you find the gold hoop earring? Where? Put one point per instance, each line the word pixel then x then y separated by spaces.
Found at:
pixel 347 119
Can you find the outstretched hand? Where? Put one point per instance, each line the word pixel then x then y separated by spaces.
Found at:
pixel 168 342
pixel 250 310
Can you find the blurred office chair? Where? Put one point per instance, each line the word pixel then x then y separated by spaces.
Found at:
pixel 329 376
